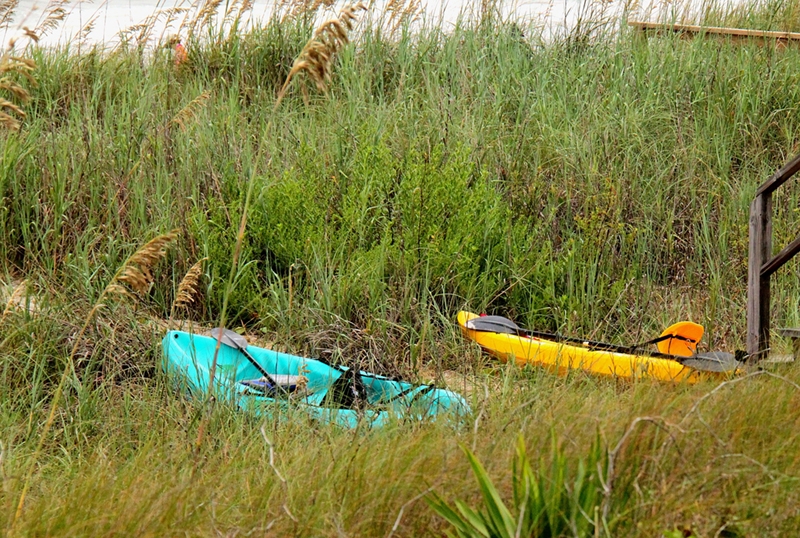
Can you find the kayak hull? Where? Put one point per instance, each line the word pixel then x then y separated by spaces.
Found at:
pixel 188 358
pixel 563 358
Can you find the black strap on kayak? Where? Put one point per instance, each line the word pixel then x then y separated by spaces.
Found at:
pixel 343 368
pixel 351 382
pixel 426 390
pixel 347 392
pixel 408 391
pixel 661 339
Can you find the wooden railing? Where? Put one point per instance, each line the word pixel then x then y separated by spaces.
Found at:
pixel 782 39
pixel 761 264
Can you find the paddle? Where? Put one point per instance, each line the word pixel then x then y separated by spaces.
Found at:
pixel 409 390
pixel 680 339
pixel 713 361
pixel 499 324
pixel 239 342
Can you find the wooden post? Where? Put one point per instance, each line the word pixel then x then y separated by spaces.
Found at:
pixel 758 292
pixel 761 263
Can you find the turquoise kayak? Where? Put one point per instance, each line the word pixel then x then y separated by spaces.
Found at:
pixel 301 385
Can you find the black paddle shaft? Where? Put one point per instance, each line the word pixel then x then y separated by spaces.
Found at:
pixel 239 342
pixel 499 324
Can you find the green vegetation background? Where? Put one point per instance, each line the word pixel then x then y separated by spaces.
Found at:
pixel 597 184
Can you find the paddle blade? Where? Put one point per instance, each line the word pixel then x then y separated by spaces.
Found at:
pixel 714 361
pixel 493 324
pixel 229 338
pixel 685 336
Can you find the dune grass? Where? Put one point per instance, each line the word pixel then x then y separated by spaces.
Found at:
pixel 595 183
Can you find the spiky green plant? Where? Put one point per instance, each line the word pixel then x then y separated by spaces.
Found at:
pixel 547 503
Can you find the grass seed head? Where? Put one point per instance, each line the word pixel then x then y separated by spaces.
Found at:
pixel 9 106
pixel 308 9
pixel 192 110
pixel 399 13
pixel 11 86
pixel 136 274
pixel 316 58
pixel 14 299
pixel 30 34
pixel 9 122
pixel 12 67
pixel 55 12
pixel 118 289
pixel 187 289
pixel 7 10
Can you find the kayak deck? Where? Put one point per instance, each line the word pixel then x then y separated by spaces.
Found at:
pixel 563 358
pixel 304 384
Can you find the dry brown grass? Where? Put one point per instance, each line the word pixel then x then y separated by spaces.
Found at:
pixel 7 10
pixel 236 11
pixel 187 289
pixel 316 58
pixel 30 34
pixel 304 8
pixel 11 68
pixel 54 13
pixel 14 299
pixel 205 14
pixel 208 14
pixel 191 110
pixel 136 274
pixel 140 34
pixel 399 13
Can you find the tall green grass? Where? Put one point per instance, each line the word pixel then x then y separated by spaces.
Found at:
pixel 569 187
pixel 597 183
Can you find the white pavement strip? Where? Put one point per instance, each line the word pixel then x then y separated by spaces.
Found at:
pixel 106 21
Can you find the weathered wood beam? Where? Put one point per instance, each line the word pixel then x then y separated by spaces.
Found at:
pixel 738 34
pixel 780 177
pixel 758 289
pixel 782 257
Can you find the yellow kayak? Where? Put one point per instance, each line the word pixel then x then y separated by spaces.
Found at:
pixel 524 348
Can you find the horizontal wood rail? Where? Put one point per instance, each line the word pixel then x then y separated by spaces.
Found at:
pixel 690 30
pixel 761 264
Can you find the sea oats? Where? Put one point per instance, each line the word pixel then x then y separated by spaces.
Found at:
pixel 191 110
pixel 14 299
pixel 54 14
pixel 136 274
pixel 7 10
pixel 187 289
pixel 316 58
